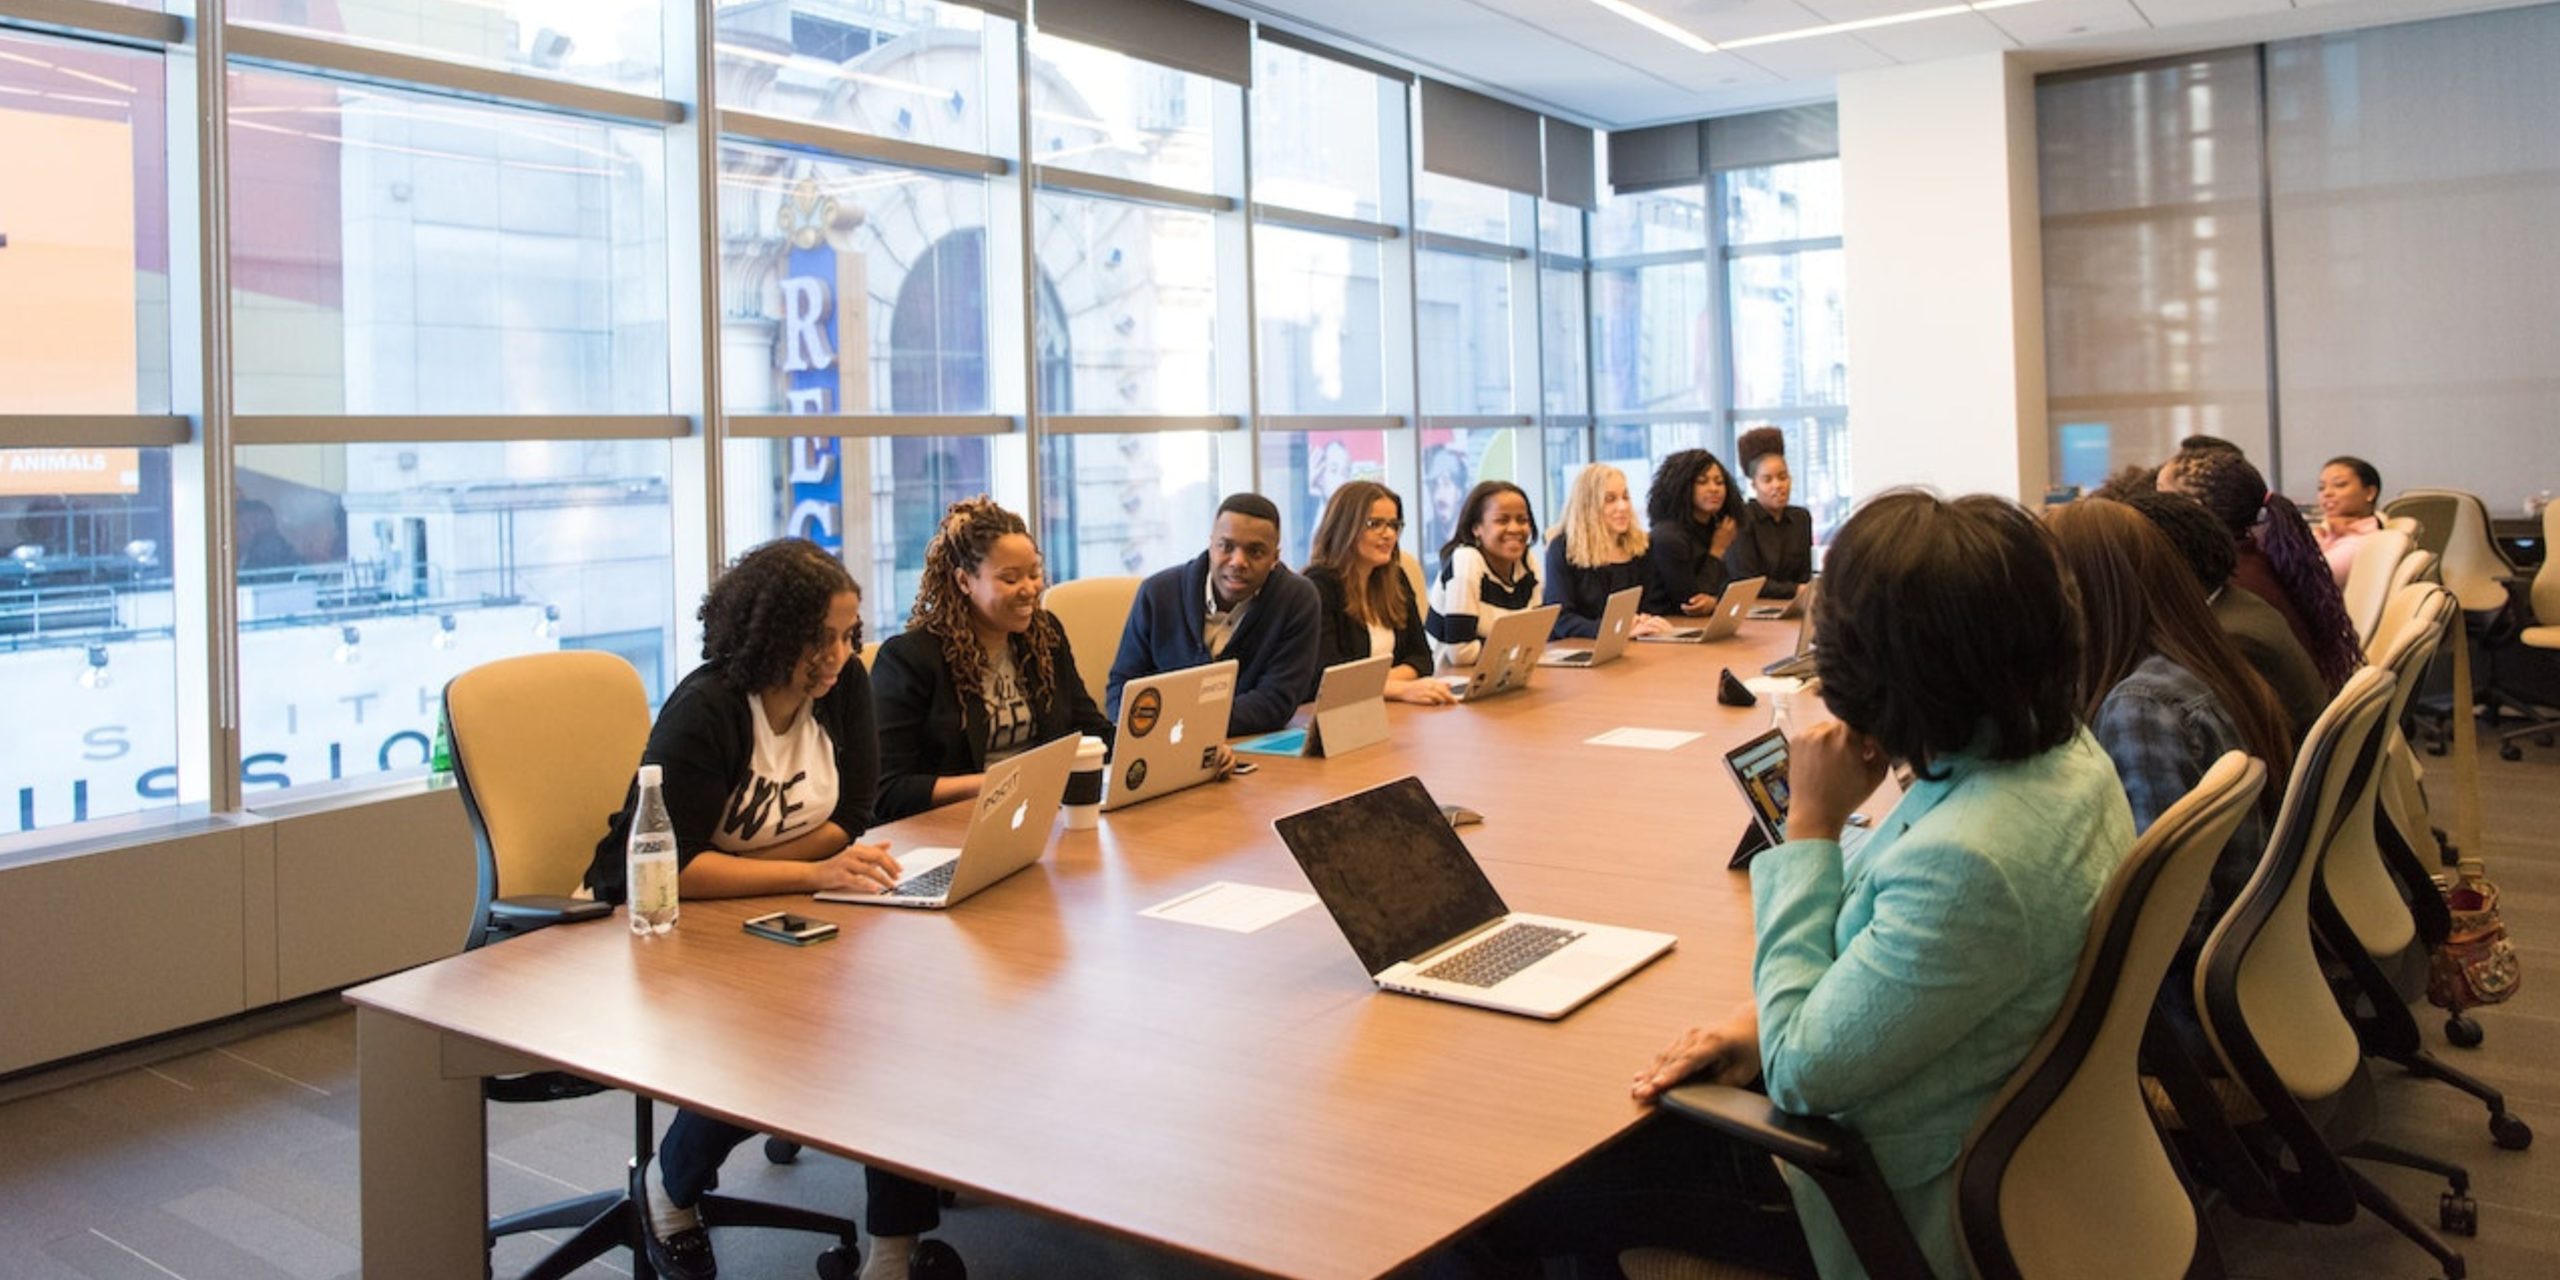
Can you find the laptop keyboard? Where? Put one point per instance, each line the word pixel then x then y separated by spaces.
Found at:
pixel 1513 948
pixel 932 884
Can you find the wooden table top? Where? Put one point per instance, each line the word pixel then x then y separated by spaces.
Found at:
pixel 1247 1098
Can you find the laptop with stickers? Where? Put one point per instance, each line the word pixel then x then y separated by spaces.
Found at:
pixel 1171 726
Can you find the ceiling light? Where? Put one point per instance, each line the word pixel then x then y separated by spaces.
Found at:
pixel 1867 24
pixel 1657 24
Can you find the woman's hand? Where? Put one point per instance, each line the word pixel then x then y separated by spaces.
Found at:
pixel 1648 625
pixel 1722 539
pixel 859 868
pixel 1831 770
pixel 1422 691
pixel 1726 1053
pixel 1699 605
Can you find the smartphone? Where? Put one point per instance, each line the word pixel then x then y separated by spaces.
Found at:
pixel 799 931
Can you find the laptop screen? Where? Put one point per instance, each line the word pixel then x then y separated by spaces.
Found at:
pixel 1760 769
pixel 1396 878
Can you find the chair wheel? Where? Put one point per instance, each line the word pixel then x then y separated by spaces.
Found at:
pixel 2509 1132
pixel 842 1262
pixel 2458 1214
pixel 2463 1032
pixel 934 1260
pixel 2436 748
pixel 2510 751
pixel 781 1151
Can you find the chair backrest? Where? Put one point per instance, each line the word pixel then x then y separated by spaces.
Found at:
pixel 1413 574
pixel 1094 612
pixel 2472 562
pixel 2368 585
pixel 2433 509
pixel 2408 526
pixel 2066 1174
pixel 870 653
pixel 544 749
pixel 2359 883
pixel 2546 580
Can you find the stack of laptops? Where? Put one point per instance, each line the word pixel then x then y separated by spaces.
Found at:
pixel 1723 621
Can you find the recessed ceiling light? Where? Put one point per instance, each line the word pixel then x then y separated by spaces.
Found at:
pixel 1664 26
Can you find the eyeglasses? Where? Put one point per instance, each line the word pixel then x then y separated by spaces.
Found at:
pixel 1375 523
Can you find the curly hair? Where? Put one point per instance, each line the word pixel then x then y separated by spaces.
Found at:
pixel 969 529
pixel 2128 481
pixel 768 610
pixel 1588 543
pixel 1667 502
pixel 2236 494
pixel 2199 538
pixel 1757 443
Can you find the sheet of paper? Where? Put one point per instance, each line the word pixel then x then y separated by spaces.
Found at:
pixel 1643 739
pixel 1767 685
pixel 1237 908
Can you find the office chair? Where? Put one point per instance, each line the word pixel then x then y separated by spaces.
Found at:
pixel 1094 611
pixel 2272 1021
pixel 2368 585
pixel 2064 1175
pixel 2433 511
pixel 2543 637
pixel 544 747
pixel 1414 577
pixel 2455 526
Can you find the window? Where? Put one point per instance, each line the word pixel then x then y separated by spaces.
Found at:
pixel 614 44
pixel 1318 130
pixel 1465 332
pixel 913 70
pixel 1126 503
pixel 1786 302
pixel 1100 112
pixel 1135 311
pixel 1301 469
pixel 1323 339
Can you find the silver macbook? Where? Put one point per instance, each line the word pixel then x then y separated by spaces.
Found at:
pixel 1171 725
pixel 1350 713
pixel 1508 655
pixel 1616 621
pixel 1017 802
pixel 1791 607
pixel 1723 621
pixel 1800 663
pixel 1425 921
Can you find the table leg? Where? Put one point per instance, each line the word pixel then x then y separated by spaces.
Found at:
pixel 423 1154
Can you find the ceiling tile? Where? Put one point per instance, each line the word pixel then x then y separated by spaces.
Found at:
pixel 1816 58
pixel 1630 44
pixel 1951 37
pixel 1861 10
pixel 1720 20
pixel 2053 21
pixel 2171 13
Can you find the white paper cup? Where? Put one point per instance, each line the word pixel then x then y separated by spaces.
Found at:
pixel 1084 786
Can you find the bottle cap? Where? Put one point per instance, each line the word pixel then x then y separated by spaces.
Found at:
pixel 649 775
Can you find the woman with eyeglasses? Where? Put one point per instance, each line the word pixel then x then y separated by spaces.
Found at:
pixel 1366 602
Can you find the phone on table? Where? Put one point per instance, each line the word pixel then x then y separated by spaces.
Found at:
pixel 799 931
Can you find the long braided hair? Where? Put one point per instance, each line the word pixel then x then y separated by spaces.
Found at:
pixel 969 529
pixel 2236 494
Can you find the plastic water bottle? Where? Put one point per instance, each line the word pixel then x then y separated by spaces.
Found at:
pixel 650 870
pixel 1782 712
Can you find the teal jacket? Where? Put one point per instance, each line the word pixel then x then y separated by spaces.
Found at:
pixel 1899 991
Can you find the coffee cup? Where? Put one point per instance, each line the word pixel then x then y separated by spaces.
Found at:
pixel 1084 786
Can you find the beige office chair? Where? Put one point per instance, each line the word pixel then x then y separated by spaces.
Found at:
pixel 2434 510
pixel 2475 569
pixel 2407 526
pixel 2274 1023
pixel 2064 1175
pixel 2368 585
pixel 1094 612
pixel 1414 575
pixel 2541 723
pixel 545 749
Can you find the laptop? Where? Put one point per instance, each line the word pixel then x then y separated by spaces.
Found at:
pixel 1425 921
pixel 1799 664
pixel 1759 767
pixel 1791 607
pixel 1508 655
pixel 1017 803
pixel 1616 621
pixel 1350 713
pixel 1723 621
pixel 1171 725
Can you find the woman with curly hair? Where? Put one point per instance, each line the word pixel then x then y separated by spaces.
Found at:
pixel 982 672
pixel 1696 514
pixel 2278 559
pixel 1776 540
pixel 768 765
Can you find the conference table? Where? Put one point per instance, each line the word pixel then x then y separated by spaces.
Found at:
pixel 1245 1098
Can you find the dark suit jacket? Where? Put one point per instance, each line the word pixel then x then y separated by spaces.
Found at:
pixel 1682 566
pixel 1779 548
pixel 1274 650
pixel 926 734
pixel 1340 639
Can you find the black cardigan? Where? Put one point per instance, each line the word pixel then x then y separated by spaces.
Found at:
pixel 1342 638
pixel 703 744
pixel 1779 548
pixel 1585 593
pixel 926 734
pixel 1681 566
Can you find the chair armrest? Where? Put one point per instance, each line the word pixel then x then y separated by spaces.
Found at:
pixel 1814 1144
pixel 512 916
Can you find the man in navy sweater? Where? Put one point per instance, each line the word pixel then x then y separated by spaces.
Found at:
pixel 1235 601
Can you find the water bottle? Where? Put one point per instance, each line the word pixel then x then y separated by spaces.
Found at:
pixel 650 871
pixel 1782 713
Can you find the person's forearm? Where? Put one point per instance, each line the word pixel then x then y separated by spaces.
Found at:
pixel 959 786
pixel 713 874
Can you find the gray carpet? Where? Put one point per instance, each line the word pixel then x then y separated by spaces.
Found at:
pixel 233 1154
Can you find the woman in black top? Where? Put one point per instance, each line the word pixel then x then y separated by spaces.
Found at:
pixel 982 672
pixel 1364 595
pixel 1695 514
pixel 1595 552
pixel 768 764
pixel 1776 541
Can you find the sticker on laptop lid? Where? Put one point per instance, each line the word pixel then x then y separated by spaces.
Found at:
pixel 1217 688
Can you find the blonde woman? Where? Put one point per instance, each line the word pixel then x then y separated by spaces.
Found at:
pixel 1595 552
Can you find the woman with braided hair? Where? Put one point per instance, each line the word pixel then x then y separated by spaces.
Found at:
pixel 982 672
pixel 2278 559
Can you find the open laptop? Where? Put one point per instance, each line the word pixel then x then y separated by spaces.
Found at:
pixel 1799 664
pixel 1350 713
pixel 1171 725
pixel 1016 805
pixel 1759 767
pixel 1616 620
pixel 1425 921
pixel 1791 607
pixel 1723 621
pixel 1508 655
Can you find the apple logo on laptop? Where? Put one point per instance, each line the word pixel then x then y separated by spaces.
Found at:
pixel 1176 735
pixel 1512 654
pixel 1019 812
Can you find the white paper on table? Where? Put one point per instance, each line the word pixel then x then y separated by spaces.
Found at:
pixel 1643 739
pixel 1237 908
pixel 1766 686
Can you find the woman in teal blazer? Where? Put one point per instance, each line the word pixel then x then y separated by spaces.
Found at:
pixel 1897 989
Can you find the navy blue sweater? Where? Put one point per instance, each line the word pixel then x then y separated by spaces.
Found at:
pixel 1274 648
pixel 1585 593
